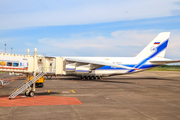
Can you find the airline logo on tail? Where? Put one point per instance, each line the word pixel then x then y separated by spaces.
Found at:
pixel 153 49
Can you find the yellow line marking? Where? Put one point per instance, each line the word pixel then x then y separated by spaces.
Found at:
pixel 75 82
pixel 11 81
pixel 73 91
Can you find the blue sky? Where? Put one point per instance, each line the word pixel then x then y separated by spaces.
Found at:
pixel 114 28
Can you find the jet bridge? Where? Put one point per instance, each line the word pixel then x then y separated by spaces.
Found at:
pixel 27 64
pixel 31 65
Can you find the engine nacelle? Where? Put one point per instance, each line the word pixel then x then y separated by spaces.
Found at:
pixel 70 67
pixel 83 69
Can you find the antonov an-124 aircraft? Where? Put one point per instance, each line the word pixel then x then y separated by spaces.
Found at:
pixel 37 66
pixel 96 67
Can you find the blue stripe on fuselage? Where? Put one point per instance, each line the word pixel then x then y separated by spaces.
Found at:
pixel 112 68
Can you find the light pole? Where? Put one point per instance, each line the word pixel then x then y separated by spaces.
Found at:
pixel 5 48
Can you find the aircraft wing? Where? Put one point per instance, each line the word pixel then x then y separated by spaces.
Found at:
pixel 95 63
pixel 164 61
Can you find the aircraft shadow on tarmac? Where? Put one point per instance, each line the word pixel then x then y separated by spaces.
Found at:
pixel 117 80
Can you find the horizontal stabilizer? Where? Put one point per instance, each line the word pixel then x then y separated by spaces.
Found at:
pixel 164 61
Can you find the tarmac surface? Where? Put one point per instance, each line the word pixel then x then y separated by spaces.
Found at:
pixel 149 95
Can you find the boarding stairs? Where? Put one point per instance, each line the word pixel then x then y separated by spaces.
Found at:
pixel 28 84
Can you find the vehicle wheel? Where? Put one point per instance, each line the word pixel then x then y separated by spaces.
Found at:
pixel 26 93
pixel 97 78
pixel 31 94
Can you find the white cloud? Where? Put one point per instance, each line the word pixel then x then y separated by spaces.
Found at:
pixel 121 43
pixel 118 38
pixel 21 14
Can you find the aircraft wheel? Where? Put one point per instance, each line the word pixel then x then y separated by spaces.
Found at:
pixel 88 77
pixel 31 94
pixel 96 77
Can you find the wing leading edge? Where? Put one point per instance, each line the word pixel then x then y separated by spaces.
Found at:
pixel 97 63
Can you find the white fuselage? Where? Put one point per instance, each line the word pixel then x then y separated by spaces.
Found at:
pixel 109 70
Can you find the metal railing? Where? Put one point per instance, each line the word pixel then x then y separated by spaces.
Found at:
pixel 28 84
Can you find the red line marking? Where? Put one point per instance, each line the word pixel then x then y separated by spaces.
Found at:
pixel 7 79
pixel 14 68
pixel 38 101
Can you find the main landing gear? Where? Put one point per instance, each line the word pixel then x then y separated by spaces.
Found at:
pixel 49 77
pixel 91 77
